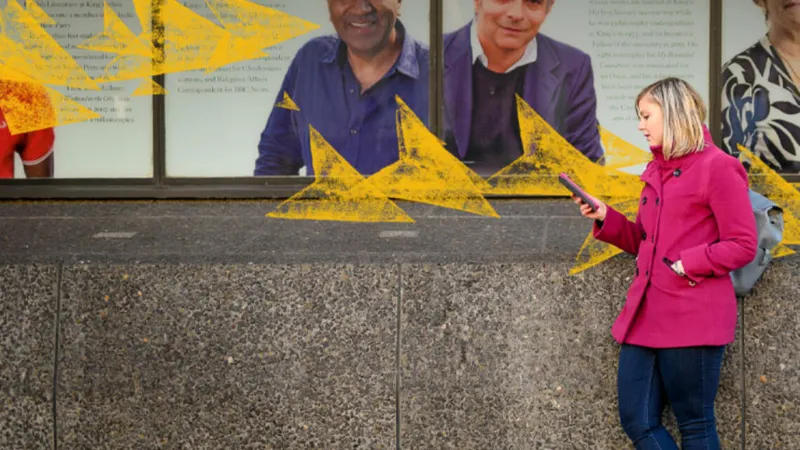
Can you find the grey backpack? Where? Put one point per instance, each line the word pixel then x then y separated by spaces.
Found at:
pixel 769 226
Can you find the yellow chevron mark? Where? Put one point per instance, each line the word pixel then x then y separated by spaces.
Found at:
pixel 770 184
pixel 546 154
pixel 620 153
pixel 593 251
pixel 192 42
pixel 38 13
pixel 143 10
pixel 287 103
pixel 117 38
pixel 230 49
pixel 762 179
pixel 338 192
pixel 29 106
pixel 427 173
pixel 258 24
pixel 29 55
pixel 781 250
pixel 31 51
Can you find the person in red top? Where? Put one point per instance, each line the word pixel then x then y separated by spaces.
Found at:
pixel 35 148
pixel 694 226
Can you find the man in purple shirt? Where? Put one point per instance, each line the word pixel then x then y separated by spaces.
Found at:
pixel 498 55
pixel 345 86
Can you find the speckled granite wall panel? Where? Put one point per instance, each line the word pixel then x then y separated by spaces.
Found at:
pixel 27 342
pixel 245 357
pixel 519 357
pixel 772 361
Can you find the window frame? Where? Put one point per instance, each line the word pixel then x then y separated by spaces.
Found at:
pixel 161 186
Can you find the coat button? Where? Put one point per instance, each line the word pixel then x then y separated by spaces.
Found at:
pixel 677 172
pixel 637 272
pixel 644 236
pixel 692 283
pixel 656 202
pixel 647 273
pixel 644 201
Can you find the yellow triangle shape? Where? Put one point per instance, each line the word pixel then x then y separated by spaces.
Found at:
pixel 149 87
pixel 762 179
pixel 546 154
pixel 116 37
pixel 190 39
pixel 338 193
pixel 143 8
pixel 12 74
pixel 781 250
pixel 620 153
pixel 427 173
pixel 231 49
pixel 287 103
pixel 770 184
pixel 30 106
pixel 38 13
pixel 38 54
pixel 128 67
pixel 594 252
pixel 17 63
pixel 261 25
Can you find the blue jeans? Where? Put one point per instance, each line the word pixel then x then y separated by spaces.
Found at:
pixel 687 378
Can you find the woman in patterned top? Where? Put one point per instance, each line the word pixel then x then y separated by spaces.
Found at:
pixel 761 91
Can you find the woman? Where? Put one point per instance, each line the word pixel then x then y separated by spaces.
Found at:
pixel 761 91
pixel 693 227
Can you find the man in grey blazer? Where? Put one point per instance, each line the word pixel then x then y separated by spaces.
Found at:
pixel 494 57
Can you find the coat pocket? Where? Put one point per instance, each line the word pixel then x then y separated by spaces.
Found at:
pixel 675 278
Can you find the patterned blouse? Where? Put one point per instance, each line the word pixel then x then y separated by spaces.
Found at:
pixel 761 107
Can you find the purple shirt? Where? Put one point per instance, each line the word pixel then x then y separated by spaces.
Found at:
pixel 360 126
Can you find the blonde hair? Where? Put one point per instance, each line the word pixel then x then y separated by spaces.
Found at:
pixel 683 113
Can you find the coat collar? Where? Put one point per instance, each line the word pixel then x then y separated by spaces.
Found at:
pixel 652 174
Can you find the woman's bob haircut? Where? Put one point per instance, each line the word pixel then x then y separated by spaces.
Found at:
pixel 683 112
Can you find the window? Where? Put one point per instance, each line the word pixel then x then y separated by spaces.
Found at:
pixel 760 94
pixel 253 117
pixel 95 120
pixel 238 93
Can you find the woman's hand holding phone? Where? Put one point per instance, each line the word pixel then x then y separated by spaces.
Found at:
pixel 586 210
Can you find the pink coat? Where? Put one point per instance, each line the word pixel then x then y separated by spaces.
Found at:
pixel 694 209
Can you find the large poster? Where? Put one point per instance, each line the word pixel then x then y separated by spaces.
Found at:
pixel 587 60
pixel 760 79
pixel 253 115
pixel 101 127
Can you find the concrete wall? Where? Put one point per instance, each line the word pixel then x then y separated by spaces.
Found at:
pixel 331 355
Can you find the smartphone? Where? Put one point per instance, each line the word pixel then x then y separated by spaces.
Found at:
pixel 575 189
